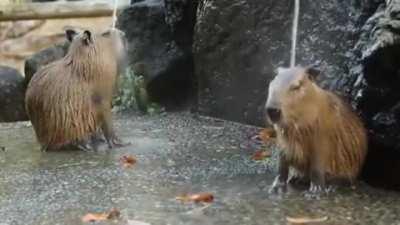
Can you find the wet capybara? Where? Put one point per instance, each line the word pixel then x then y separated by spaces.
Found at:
pixel 69 101
pixel 322 139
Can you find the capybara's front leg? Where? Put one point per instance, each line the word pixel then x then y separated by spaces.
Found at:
pixel 109 133
pixel 279 185
pixel 318 184
pixel 105 117
pixel 112 140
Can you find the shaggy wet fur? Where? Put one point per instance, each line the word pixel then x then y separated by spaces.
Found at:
pixel 318 132
pixel 68 100
pixel 335 140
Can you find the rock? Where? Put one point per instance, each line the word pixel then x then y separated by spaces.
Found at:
pixel 136 1
pixel 236 54
pixel 373 87
pixel 157 50
pixel 12 95
pixel 44 57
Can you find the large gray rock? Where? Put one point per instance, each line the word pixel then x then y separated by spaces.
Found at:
pixel 238 45
pixel 44 57
pixel 373 85
pixel 12 95
pixel 157 50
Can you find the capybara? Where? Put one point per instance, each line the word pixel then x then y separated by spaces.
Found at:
pixel 69 101
pixel 321 138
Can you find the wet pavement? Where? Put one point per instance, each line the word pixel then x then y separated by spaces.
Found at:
pixel 176 154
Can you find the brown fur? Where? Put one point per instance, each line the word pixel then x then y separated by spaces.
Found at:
pixel 70 99
pixel 319 133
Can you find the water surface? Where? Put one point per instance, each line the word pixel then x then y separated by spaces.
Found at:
pixel 176 154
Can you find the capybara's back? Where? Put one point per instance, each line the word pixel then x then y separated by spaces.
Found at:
pixel 322 138
pixel 69 100
pixel 60 115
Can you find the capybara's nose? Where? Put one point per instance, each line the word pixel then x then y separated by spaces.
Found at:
pixel 274 114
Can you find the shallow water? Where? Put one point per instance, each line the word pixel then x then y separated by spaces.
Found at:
pixel 176 154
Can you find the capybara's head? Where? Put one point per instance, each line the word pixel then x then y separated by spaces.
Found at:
pixel 83 45
pixel 86 44
pixel 291 94
pixel 118 41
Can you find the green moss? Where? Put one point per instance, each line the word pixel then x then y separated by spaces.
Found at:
pixel 132 94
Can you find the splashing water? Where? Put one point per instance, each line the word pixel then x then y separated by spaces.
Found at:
pixel 114 18
pixel 294 32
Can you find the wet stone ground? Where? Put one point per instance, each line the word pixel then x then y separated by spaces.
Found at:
pixel 176 154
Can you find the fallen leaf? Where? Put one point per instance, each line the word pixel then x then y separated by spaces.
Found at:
pixel 267 134
pixel 200 197
pixel 128 161
pixel 137 222
pixel 113 214
pixel 94 217
pixel 305 220
pixel 260 155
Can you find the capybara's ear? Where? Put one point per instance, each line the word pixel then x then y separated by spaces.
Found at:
pixel 312 72
pixel 87 37
pixel 70 34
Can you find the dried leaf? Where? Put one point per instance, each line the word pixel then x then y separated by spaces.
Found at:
pixel 305 220
pixel 94 217
pixel 137 222
pixel 113 214
pixel 260 155
pixel 200 197
pixel 128 161
pixel 267 134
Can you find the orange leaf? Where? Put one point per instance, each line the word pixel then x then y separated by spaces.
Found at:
pixel 267 134
pixel 260 155
pixel 305 220
pixel 128 161
pixel 113 214
pixel 94 217
pixel 200 197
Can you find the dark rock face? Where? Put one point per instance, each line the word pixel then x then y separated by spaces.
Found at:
pixel 136 1
pixel 236 54
pixel 12 95
pixel 373 87
pixel 42 58
pixel 160 47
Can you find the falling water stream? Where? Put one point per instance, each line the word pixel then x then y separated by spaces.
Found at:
pixel 294 32
pixel 114 18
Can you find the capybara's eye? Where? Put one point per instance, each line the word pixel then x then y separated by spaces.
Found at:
pixel 295 87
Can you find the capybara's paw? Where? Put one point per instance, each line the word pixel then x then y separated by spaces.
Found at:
pixel 115 142
pixel 98 139
pixel 86 146
pixel 278 186
pixel 316 190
